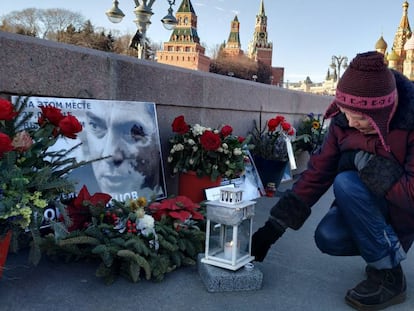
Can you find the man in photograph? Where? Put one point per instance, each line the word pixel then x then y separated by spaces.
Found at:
pixel 124 136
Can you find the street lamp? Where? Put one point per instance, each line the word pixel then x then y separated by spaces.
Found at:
pixel 337 63
pixel 115 15
pixel 169 21
pixel 143 13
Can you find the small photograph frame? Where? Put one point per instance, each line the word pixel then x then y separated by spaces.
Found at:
pixel 249 182
pixel 252 184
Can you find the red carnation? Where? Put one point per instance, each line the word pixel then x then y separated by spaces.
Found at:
pixel 210 141
pixel 6 110
pixel 69 126
pixel 180 126
pixel 286 126
pixel 5 144
pixel 272 125
pixel 54 115
pixel 226 130
pixel 280 119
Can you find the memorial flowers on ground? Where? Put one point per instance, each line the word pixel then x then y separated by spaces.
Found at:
pixel 310 133
pixel 269 140
pixel 206 151
pixel 135 239
pixel 32 177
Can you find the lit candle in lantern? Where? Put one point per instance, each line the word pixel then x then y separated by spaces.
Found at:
pixel 228 249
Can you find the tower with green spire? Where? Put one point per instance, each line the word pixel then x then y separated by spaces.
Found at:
pixel 260 48
pixel 184 49
pixel 233 46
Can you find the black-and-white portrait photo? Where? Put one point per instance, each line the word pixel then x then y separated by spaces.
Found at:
pixel 124 136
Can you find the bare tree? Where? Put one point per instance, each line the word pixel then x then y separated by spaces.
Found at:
pixel 41 23
pixel 25 21
pixel 121 45
pixel 213 52
pixel 87 37
pixel 54 20
pixel 5 26
pixel 154 47
pixel 69 27
pixel 236 66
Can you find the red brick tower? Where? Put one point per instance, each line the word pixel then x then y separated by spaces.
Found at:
pixel 184 49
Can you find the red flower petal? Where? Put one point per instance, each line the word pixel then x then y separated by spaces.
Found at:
pixel 180 126
pixel 197 215
pixel 210 140
pixel 5 144
pixel 69 126
pixel 82 196
pixel 226 130
pixel 182 215
pixel 100 198
pixel 6 110
pixel 54 115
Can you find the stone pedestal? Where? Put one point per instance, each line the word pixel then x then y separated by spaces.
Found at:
pixel 222 280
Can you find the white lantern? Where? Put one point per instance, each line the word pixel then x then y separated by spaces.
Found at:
pixel 229 230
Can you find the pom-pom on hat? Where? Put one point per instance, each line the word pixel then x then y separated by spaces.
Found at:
pixel 367 87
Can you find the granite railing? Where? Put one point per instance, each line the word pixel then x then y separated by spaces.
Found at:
pixel 36 67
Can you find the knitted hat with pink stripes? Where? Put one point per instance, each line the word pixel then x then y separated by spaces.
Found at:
pixel 367 87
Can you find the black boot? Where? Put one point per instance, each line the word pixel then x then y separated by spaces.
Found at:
pixel 381 289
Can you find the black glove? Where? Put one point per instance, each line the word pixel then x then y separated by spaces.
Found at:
pixel 290 211
pixel 263 239
pixel 380 174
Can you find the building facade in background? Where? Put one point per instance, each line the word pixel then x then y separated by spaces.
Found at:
pixel 400 58
pixel 260 49
pixel 401 55
pixel 184 49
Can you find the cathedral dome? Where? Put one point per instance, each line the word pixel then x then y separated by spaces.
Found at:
pixel 381 44
pixel 409 45
pixel 393 56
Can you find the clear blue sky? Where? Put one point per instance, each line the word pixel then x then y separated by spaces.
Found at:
pixel 305 34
